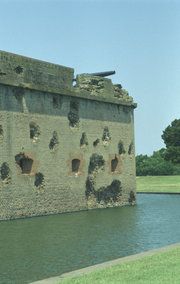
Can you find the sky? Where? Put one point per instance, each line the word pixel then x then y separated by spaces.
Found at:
pixel 140 40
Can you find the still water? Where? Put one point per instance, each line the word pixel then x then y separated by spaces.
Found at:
pixel 36 248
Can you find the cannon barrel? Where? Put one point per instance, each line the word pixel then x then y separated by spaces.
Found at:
pixel 103 74
pixel 100 74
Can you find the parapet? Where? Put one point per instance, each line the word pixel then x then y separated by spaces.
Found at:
pixel 101 87
pixel 24 72
pixel 20 71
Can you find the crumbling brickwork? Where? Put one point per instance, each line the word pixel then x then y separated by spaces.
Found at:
pixel 63 148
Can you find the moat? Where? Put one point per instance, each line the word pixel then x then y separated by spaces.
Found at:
pixel 41 247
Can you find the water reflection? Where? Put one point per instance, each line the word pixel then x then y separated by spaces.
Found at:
pixel 36 248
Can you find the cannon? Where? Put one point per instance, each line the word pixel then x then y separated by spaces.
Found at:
pixel 100 74
pixel 103 74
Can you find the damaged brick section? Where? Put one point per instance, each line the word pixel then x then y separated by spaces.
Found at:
pixel 73 114
pixel 109 194
pixel 19 69
pixel 106 137
pixel 56 102
pixel 18 93
pixel 5 173
pixel 96 142
pixel 34 131
pixel 105 194
pixel 131 147
pixel 1 133
pixel 96 163
pixel 132 198
pixel 39 180
pixel 121 149
pixel 93 84
pixel 114 164
pixel 24 162
pixel 54 141
pixel 121 93
pixel 83 140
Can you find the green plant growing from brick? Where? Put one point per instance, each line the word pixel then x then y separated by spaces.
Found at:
pixel 39 180
pixel 54 141
pixel 121 149
pixel 73 114
pixel 5 171
pixel 83 140
pixel 96 162
pixel 109 193
pixel 106 137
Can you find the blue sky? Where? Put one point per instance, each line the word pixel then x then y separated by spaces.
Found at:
pixel 138 39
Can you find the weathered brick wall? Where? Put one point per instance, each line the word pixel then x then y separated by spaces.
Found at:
pixel 62 153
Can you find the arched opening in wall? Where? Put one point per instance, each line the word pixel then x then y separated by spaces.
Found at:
pixel 25 163
pixel 114 165
pixel 34 131
pixel 75 165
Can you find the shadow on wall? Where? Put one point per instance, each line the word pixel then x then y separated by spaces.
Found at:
pixel 14 99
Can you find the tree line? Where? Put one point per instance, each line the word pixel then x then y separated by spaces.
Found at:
pixel 165 161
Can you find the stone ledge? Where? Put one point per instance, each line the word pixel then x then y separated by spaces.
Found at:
pixel 158 192
pixel 107 264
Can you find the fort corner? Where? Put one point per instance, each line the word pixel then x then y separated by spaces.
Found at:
pixel 63 147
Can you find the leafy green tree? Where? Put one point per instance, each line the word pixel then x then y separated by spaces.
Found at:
pixel 154 165
pixel 171 137
pixel 165 161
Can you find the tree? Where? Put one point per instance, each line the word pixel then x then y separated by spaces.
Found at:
pixel 154 165
pixel 171 137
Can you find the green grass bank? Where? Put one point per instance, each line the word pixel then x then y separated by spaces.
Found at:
pixel 158 184
pixel 160 268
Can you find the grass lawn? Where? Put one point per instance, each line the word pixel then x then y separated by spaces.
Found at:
pixel 160 268
pixel 158 183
